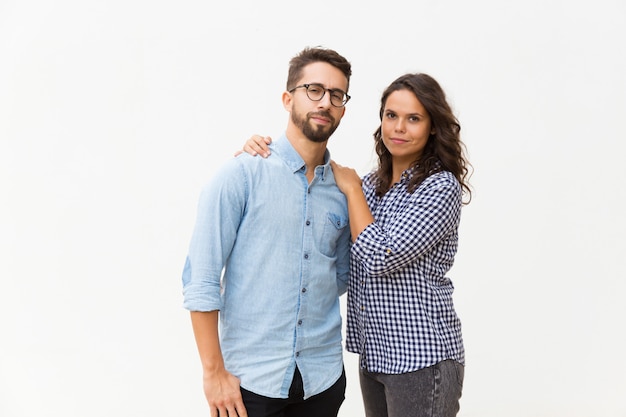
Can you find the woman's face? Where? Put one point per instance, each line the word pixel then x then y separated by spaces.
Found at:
pixel 405 127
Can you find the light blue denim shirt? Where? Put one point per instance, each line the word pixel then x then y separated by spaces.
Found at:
pixel 283 246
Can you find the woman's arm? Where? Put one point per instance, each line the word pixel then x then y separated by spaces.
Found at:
pixel 359 212
pixel 427 218
pixel 257 145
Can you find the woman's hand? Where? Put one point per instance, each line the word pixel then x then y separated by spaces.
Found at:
pixel 257 145
pixel 346 178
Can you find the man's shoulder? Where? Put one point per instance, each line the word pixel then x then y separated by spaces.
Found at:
pixel 249 162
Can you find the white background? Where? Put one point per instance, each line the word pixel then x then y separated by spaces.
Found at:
pixel 114 113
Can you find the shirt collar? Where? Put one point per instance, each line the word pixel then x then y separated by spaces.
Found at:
pixel 292 158
pixel 407 174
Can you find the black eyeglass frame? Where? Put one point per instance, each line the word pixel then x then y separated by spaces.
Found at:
pixel 330 90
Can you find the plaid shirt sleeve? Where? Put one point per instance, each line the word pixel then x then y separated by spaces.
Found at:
pixel 411 225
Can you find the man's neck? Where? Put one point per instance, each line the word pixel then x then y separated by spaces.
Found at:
pixel 311 152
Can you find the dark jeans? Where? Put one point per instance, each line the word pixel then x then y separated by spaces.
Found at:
pixel 324 404
pixel 431 392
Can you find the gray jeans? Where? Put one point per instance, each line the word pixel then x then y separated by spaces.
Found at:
pixel 431 392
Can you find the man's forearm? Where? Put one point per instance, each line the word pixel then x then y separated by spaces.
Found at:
pixel 205 330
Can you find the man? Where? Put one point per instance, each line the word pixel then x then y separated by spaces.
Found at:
pixel 269 258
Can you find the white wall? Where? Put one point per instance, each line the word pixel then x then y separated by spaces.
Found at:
pixel 114 113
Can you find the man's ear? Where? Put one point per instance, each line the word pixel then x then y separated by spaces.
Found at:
pixel 287 100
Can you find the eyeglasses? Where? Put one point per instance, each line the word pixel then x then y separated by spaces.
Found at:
pixel 316 92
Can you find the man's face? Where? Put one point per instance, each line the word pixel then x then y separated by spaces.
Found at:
pixel 318 120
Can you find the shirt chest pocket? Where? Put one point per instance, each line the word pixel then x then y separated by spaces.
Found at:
pixel 333 226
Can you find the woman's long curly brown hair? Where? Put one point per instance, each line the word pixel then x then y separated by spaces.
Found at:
pixel 444 150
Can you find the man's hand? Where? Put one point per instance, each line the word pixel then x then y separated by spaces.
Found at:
pixel 222 391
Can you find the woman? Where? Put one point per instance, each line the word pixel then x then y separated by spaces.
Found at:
pixel 404 219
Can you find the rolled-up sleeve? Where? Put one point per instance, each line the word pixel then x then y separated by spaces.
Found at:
pixel 219 213
pixel 429 216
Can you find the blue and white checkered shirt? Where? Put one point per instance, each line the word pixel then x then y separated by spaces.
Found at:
pixel 400 315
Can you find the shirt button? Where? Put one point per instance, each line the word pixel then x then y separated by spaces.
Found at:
pixel 308 222
pixel 306 256
pixel 362 308
pixel 388 251
pixel 297 354
pixel 299 322
pixel 303 289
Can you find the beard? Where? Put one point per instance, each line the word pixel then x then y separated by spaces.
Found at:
pixel 313 132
